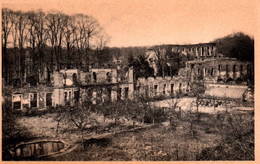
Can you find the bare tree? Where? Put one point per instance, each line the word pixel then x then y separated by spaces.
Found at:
pixel 69 40
pixel 41 39
pixel 102 40
pixel 6 28
pixel 79 116
pixel 55 23
pixel 22 36
pixel 86 29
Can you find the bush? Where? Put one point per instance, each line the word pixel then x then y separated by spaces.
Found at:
pixel 237 142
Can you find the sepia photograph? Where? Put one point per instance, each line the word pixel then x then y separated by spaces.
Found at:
pixel 128 80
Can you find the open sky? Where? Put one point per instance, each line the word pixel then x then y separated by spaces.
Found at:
pixel 154 22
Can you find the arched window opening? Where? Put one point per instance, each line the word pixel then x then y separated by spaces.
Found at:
pixel 94 76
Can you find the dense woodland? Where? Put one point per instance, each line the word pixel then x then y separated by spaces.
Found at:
pixel 35 44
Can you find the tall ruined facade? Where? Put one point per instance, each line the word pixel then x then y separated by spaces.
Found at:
pixel 72 86
pixel 209 68
pixel 220 70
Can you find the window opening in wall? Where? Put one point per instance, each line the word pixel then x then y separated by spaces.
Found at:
pixel 172 86
pixel 155 89
pixel 17 101
pixel 212 72
pixel 109 90
pixel 69 95
pixel 241 68
pixel 126 92
pixel 65 96
pixel 94 76
pixel 108 77
pixel 48 99
pixel 76 96
pixel 219 68
pixel 75 79
pixel 119 91
pixel 33 99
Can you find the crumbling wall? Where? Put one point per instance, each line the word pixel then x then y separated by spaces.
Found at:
pixel 225 70
pixel 30 97
pixel 159 86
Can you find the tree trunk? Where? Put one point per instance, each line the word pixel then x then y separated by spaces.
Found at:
pixel 57 129
pixel 82 138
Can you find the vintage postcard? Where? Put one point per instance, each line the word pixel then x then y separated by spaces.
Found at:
pixel 121 80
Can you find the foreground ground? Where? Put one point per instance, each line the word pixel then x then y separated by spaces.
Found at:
pixel 215 136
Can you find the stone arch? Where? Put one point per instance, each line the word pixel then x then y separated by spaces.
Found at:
pixel 220 80
pixel 229 80
pixel 239 81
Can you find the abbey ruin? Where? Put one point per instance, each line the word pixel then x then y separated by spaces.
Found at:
pixel 101 85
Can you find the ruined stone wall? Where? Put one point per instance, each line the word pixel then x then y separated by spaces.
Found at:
pixel 32 97
pixel 198 50
pixel 167 86
pixel 101 75
pixel 220 70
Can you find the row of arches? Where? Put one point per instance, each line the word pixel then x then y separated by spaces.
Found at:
pixel 230 80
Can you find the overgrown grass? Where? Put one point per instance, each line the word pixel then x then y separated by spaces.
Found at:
pixel 195 136
pixel 233 140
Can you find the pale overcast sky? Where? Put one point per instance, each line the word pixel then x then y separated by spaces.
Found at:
pixel 153 22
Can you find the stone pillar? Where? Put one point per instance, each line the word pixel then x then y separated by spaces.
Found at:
pixel 114 94
pixel 58 97
pixel 94 97
pixel 131 75
pixel 58 79
pixel 114 76
pixel 130 91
